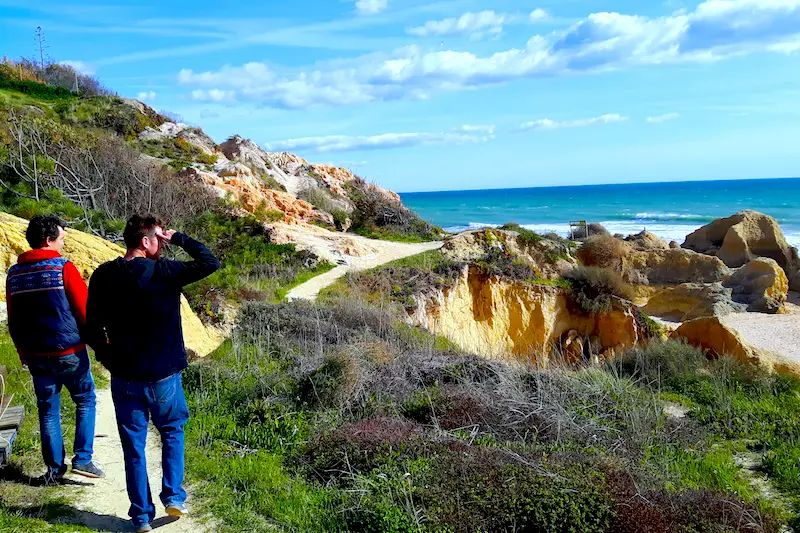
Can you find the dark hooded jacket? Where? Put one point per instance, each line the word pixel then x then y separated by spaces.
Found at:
pixel 133 314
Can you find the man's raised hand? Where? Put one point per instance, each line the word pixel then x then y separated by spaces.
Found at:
pixel 165 236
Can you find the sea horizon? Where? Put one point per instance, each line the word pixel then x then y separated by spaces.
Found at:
pixel 670 210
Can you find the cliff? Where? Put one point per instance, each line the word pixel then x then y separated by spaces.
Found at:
pixel 497 318
pixel 258 179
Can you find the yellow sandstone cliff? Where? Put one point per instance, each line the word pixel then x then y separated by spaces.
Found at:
pixel 499 318
pixel 87 252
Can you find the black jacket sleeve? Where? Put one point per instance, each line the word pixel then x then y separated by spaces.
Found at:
pixel 183 273
pixel 95 330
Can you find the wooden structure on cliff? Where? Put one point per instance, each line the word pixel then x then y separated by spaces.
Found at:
pixel 578 229
pixel 10 420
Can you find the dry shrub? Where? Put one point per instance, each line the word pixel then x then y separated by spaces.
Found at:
pixel 593 290
pixel 604 251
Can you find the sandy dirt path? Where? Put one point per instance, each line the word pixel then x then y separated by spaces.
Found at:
pixel 779 334
pixel 386 252
pixel 103 504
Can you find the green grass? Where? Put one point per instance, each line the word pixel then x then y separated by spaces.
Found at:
pixel 388 235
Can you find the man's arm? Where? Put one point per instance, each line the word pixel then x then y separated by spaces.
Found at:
pixel 95 330
pixel 186 272
pixel 11 330
pixel 77 293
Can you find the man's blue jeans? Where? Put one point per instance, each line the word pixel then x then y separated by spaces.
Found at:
pixel 50 374
pixel 135 403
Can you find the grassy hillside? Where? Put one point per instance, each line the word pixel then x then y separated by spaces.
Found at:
pixel 77 156
pixel 338 417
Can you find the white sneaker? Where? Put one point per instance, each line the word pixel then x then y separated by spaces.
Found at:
pixel 177 509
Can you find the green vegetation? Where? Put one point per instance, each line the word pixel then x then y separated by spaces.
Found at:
pixel 378 216
pixel 335 417
pixel 324 200
pixel 593 289
pixel 253 267
pixel 181 153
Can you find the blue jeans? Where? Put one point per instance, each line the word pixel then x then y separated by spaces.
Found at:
pixel 135 403
pixel 50 374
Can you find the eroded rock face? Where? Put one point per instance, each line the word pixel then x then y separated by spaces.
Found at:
pixel 670 266
pixel 254 195
pixel 645 241
pixel 87 252
pixel 745 236
pixel 761 284
pixel 687 301
pixel 502 319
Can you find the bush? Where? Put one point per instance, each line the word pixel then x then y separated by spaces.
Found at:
pixel 377 216
pixel 109 113
pixel 593 290
pixel 604 251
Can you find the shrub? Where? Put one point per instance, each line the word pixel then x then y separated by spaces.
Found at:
pixel 322 199
pixel 593 290
pixel 109 113
pixel 272 183
pixel 603 251
pixel 376 215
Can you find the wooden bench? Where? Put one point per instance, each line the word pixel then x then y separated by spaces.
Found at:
pixel 10 420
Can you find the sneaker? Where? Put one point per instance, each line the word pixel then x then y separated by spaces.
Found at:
pixel 177 509
pixel 91 469
pixel 145 528
pixel 53 477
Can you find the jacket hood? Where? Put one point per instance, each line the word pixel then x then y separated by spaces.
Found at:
pixel 138 271
pixel 34 256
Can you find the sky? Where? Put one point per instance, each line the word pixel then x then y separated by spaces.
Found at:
pixel 457 94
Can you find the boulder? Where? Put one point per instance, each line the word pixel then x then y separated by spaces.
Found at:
pixel 718 340
pixel 761 284
pixel 87 252
pixel 688 301
pixel 645 241
pixel 669 266
pixel 743 237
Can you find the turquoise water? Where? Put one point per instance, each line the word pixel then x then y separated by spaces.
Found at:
pixel 670 210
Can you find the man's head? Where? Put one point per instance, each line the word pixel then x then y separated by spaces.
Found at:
pixel 45 232
pixel 140 234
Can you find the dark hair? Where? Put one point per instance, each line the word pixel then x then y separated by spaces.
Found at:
pixel 41 228
pixel 139 227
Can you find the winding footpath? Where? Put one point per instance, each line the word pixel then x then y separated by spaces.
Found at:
pixel 387 252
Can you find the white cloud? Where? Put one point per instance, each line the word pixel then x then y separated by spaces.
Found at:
pixel 347 143
pixel 213 95
pixel 539 15
pixel 80 66
pixel 658 119
pixel 488 129
pixel 467 24
pixel 371 7
pixel 146 96
pixel 548 124
pixel 715 30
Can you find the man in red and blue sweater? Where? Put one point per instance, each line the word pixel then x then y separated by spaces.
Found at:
pixel 46 299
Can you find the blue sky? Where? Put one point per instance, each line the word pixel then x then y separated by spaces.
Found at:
pixel 463 94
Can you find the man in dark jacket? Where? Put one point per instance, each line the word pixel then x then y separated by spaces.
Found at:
pixel 46 299
pixel 134 326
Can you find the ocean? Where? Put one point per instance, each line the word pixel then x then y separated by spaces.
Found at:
pixel 670 210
